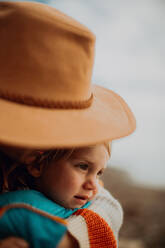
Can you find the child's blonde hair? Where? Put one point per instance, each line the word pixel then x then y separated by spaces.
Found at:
pixel 13 165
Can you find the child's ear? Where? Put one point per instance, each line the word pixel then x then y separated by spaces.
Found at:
pixel 35 171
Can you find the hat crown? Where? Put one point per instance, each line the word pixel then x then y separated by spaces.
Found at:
pixel 45 54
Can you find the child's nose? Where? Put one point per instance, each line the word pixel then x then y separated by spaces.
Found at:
pixel 91 184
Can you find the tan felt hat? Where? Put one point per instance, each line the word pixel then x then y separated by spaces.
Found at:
pixel 46 96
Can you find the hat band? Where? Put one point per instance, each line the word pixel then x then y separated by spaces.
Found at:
pixel 46 103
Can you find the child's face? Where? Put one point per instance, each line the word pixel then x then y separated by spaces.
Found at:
pixel 72 182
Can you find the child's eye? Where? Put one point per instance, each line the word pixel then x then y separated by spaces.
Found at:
pixel 83 166
pixel 100 173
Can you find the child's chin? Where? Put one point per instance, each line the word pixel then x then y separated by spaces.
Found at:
pixel 78 206
pixel 73 205
pixel 78 203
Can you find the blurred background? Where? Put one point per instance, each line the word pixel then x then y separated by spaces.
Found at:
pixel 130 59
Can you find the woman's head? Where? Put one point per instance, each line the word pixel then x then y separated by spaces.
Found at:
pixel 67 171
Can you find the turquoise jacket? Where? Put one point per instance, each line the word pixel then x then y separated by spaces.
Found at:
pixel 30 215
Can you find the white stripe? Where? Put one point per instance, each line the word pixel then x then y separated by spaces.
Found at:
pixel 78 228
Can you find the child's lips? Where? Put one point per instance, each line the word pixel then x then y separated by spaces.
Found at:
pixel 81 199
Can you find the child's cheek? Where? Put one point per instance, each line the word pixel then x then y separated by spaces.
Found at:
pixel 74 181
pixel 93 195
pixel 96 190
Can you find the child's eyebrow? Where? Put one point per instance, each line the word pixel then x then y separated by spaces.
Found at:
pixel 88 162
pixel 83 160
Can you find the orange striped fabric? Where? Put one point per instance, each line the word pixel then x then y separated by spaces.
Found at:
pixel 100 234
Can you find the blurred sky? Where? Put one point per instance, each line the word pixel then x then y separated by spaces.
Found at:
pixel 130 59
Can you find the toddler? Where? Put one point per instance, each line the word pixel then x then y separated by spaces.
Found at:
pixel 68 177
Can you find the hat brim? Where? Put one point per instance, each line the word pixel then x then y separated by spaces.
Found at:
pixel 108 118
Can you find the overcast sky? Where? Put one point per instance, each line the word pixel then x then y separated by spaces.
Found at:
pixel 130 59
